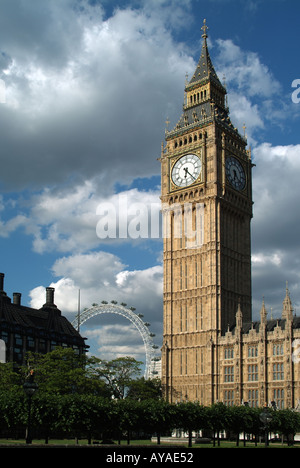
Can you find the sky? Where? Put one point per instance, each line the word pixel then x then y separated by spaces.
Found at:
pixel 86 89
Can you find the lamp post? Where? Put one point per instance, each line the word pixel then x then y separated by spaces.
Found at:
pixel 30 387
pixel 266 417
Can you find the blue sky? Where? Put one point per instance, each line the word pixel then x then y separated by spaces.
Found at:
pixel 88 89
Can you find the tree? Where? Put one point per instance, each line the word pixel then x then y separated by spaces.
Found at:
pixel 287 422
pixel 127 414
pixel 13 411
pixel 240 419
pixel 255 424
pixel 218 414
pixel 142 389
pixel 86 415
pixel 157 416
pixel 191 417
pixel 63 371
pixel 9 378
pixel 118 374
pixel 46 414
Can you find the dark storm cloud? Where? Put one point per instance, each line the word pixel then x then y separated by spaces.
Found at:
pixel 84 96
pixel 276 226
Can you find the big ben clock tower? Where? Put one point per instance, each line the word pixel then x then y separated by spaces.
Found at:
pixel 206 183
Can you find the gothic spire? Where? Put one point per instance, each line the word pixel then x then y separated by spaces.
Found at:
pixel 205 68
pixel 239 316
pixel 263 312
pixel 287 308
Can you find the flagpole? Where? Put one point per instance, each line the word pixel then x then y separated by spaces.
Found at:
pixel 78 315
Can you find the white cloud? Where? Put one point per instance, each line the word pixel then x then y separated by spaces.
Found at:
pixel 98 105
pixel 7 227
pixel 275 225
pixel 86 102
pixel 101 276
pixel 244 70
pixel 262 259
pixel 75 218
pixel 255 95
pixel 117 340
pixel 276 189
pixel 243 110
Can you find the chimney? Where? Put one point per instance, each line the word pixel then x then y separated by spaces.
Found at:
pixel 50 296
pixel 1 282
pixel 2 292
pixel 49 306
pixel 17 298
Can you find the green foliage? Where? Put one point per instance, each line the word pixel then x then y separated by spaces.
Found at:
pixel 86 397
pixel 13 410
pixel 286 422
pixel 118 374
pixel 9 379
pixel 63 371
pixel 142 389
pixel 92 416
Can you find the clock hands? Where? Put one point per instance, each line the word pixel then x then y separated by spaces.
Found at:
pixel 235 175
pixel 187 172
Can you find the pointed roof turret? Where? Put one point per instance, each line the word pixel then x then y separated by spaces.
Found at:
pixel 204 98
pixel 287 308
pixel 205 68
pixel 263 312
pixel 239 316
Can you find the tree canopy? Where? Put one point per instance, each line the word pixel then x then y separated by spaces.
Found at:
pixel 87 397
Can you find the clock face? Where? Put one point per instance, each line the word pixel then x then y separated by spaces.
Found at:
pixel 186 170
pixel 235 173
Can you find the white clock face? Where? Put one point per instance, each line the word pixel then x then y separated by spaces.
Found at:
pixel 235 173
pixel 186 170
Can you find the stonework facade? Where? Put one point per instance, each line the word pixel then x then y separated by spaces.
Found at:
pixel 211 351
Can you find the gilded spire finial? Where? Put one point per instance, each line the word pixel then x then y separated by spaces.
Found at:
pixel 204 29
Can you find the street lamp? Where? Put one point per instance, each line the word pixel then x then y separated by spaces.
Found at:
pixel 30 387
pixel 266 417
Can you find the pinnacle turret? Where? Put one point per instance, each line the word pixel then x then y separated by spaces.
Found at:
pixel 205 68
pixel 287 308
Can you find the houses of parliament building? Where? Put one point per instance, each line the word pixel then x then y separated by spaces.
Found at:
pixel 212 350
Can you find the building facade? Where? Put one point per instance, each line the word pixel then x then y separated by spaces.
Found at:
pixel 24 329
pixel 206 175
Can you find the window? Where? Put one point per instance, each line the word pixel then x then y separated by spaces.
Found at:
pixel 228 374
pixel 53 345
pixel 4 336
pixel 252 372
pixel 252 351
pixel 18 349
pixel 18 340
pixel 253 398
pixel 229 397
pixel 42 345
pixel 228 353
pixel 278 397
pixel 277 349
pixel 181 363
pixel 278 373
pixel 30 343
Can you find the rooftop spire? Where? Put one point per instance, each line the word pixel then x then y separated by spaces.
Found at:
pixel 287 309
pixel 263 312
pixel 239 316
pixel 204 29
pixel 205 68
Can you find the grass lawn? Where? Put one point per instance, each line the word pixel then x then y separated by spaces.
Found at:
pixel 72 442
